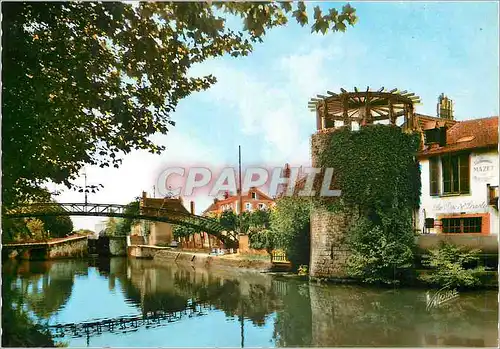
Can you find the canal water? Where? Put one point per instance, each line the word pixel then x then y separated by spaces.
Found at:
pixel 126 303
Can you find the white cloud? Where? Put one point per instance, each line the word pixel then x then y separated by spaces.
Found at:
pixel 273 105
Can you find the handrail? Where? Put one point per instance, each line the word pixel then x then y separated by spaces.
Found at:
pixel 42 209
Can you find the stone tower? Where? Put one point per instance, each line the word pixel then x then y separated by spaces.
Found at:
pixel 329 250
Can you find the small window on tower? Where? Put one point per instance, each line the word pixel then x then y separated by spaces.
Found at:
pixel 254 195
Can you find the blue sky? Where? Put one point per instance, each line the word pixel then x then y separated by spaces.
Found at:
pixel 260 101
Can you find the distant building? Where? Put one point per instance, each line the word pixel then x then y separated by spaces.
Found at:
pixel 254 199
pixel 100 228
pixel 156 233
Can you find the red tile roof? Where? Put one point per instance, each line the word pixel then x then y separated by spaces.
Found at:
pixel 470 134
pixel 171 204
pixel 245 196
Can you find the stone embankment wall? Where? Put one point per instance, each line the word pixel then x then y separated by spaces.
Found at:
pixel 71 247
pixel 118 246
pixel 77 247
pixel 143 251
pixel 486 243
pixel 169 255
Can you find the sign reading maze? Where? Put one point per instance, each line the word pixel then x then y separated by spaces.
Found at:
pixel 483 169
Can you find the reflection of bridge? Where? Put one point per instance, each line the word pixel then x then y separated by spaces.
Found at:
pixel 43 209
pixel 127 323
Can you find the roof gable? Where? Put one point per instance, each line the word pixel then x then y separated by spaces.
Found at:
pixel 170 204
pixel 470 134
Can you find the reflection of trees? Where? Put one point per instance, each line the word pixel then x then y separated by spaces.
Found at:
pixel 394 317
pixel 167 287
pixel 48 299
pixel 229 294
pixel 46 286
pixel 17 329
pixel 292 327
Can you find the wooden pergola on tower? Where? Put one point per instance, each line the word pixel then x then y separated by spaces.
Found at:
pixel 364 107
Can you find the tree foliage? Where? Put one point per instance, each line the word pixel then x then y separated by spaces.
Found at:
pixel 290 222
pixel 230 221
pixel 381 253
pixel 264 239
pixel 53 225
pixel 85 232
pixel 58 226
pixel 86 83
pixel 111 227
pixel 453 266
pixel 37 229
pixel 183 231
pixel 258 220
pixel 375 167
pixel 124 225
pixel 379 177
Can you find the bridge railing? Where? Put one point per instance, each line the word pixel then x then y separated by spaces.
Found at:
pixel 42 209
pixel 127 323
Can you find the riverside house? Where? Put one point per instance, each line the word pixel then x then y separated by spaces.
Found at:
pixel 156 233
pixel 459 172
pixel 252 200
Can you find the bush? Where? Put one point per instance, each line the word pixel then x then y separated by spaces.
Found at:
pixel 453 266
pixel 303 270
pixel 381 254
pixel 263 240
pixel 37 230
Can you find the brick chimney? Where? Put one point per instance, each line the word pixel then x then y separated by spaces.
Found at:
pixel 445 107
pixel 192 207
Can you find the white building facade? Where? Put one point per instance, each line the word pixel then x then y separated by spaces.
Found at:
pixel 459 174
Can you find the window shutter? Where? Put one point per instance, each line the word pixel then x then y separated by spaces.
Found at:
pixel 434 176
pixel 464 171
pixel 447 174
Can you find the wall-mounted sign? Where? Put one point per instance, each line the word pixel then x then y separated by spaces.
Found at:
pixel 461 206
pixel 483 169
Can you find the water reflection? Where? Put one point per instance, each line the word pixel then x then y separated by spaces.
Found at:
pixel 240 308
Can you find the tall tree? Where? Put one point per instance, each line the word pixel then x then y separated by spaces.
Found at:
pixel 86 83
pixel 111 225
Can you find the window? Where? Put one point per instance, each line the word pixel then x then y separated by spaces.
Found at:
pixel 432 136
pixel 254 195
pixel 262 206
pixel 455 174
pixel 248 206
pixel 462 225
pixel 434 176
pixel 435 135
